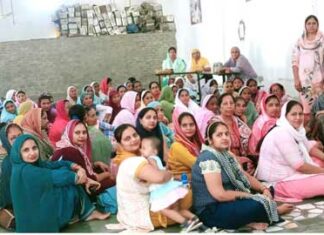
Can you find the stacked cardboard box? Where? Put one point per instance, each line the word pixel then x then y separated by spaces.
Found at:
pixel 87 20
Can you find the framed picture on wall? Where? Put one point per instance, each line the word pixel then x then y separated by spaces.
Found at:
pixel 195 12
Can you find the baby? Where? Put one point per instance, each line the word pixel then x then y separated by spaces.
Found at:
pixel 164 197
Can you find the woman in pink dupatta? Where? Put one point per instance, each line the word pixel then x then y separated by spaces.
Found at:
pixel 69 150
pixel 129 103
pixel 209 109
pixel 289 161
pixel 256 94
pixel 61 120
pixel 105 87
pixel 270 112
pixel 239 131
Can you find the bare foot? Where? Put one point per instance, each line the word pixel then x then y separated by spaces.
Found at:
pixel 97 215
pixel 258 226
pixel 285 208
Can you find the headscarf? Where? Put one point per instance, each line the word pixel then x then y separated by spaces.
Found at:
pixel 257 98
pixel 98 99
pixel 84 93
pixel 156 132
pixel 104 86
pixel 5 115
pixel 6 168
pixel 24 108
pixel 115 107
pixel 204 116
pixel 68 97
pixel 67 141
pixel 167 102
pixel 60 122
pixel 10 94
pixel 32 123
pixel 128 101
pixel 262 125
pixel 142 98
pixel 193 147
pixel 298 134
pixel 250 112
pixel 192 108
pixel 33 195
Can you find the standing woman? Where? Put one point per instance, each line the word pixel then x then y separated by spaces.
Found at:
pixel 308 64
pixel 147 125
pixel 35 123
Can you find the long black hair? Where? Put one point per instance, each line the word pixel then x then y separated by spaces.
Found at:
pixel 148 133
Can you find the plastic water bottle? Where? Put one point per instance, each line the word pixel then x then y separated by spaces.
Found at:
pixel 184 180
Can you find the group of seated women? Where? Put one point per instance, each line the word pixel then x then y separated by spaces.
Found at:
pixel 156 157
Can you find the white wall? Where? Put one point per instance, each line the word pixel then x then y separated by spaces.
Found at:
pixel 272 28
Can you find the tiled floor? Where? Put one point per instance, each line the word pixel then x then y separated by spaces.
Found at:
pixel 306 218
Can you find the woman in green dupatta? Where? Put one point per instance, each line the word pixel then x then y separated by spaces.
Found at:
pixel 100 144
pixel 251 112
pixel 224 195
pixel 167 102
pixel 173 62
pixel 35 122
pixel 46 196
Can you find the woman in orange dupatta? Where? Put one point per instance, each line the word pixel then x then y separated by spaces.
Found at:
pixel 35 122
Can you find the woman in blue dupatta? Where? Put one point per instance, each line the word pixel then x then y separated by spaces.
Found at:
pixel 9 111
pixel 46 196
pixel 224 195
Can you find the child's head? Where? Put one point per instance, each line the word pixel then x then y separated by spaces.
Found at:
pixel 228 87
pixel 150 146
pixel 240 106
pixel 21 96
pixel 252 83
pixel 245 93
pixel 237 83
